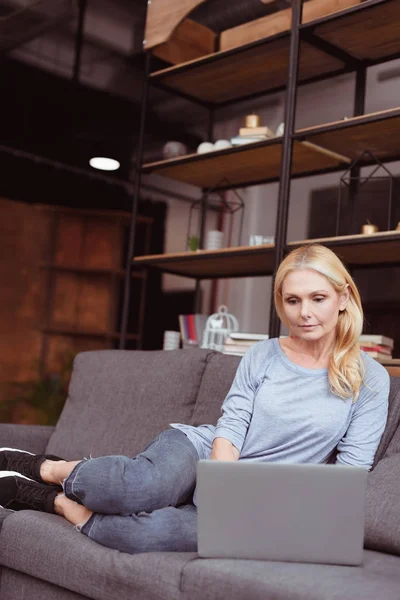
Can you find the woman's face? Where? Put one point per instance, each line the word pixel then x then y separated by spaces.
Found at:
pixel 311 304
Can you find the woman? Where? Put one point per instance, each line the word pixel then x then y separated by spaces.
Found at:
pixel 312 397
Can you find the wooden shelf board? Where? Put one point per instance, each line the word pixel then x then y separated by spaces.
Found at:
pixel 253 261
pixel 377 132
pixel 359 249
pixel 368 31
pixel 393 371
pixel 251 69
pixel 255 162
pixel 75 332
pixel 240 261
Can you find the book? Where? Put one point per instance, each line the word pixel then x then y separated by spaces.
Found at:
pixel 250 139
pixel 245 343
pixel 192 327
pixel 379 356
pixel 240 335
pixel 233 352
pixel 374 348
pixel 183 328
pixel 236 348
pixel 251 131
pixel 381 340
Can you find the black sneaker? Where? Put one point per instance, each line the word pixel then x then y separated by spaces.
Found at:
pixel 20 493
pixel 26 463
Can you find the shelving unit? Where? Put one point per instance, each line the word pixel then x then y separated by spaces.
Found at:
pixel 347 41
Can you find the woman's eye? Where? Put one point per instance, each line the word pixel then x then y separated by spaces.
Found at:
pixel 291 301
pixel 319 299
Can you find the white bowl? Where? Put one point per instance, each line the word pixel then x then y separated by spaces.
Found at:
pixel 205 147
pixel 222 145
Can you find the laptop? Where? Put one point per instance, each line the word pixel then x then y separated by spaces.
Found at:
pixel 279 511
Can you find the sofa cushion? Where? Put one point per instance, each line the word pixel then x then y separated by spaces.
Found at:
pixel 18 586
pixel 215 384
pixel 49 548
pixel 382 524
pixel 219 579
pixel 393 421
pixel 4 513
pixel 120 400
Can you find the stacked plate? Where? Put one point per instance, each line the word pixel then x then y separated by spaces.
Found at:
pixel 171 340
pixel 214 240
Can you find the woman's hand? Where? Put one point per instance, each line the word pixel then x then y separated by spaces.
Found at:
pixel 222 449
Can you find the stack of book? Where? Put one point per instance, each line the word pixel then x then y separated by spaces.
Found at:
pixel 238 343
pixel 192 328
pixel 379 347
pixel 247 135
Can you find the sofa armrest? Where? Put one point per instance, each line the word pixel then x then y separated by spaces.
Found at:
pixel 33 438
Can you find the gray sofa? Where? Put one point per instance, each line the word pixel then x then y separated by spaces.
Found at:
pixel 118 401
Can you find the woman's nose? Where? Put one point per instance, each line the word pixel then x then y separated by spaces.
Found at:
pixel 305 310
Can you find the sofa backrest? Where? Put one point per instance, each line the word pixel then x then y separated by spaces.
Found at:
pixel 215 384
pixel 120 400
pixel 393 421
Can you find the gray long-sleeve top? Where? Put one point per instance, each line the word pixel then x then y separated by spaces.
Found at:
pixel 278 411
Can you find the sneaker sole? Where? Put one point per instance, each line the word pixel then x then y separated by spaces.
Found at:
pixel 17 450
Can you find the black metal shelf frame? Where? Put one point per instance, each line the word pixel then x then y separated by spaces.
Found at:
pixel 298 32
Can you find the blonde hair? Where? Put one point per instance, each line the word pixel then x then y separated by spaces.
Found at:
pixel 346 369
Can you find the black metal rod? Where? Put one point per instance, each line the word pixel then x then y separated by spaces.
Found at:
pixel 203 211
pixel 389 221
pixel 135 202
pixel 287 154
pixel 210 125
pixel 359 109
pixel 82 4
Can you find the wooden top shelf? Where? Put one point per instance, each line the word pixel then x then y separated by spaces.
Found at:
pixel 377 132
pixel 253 261
pixel 245 165
pixel 241 72
pixel 240 261
pixel 360 250
pixel 368 31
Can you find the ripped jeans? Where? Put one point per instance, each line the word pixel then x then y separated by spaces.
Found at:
pixel 140 504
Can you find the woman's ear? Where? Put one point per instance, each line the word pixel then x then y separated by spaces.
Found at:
pixel 344 298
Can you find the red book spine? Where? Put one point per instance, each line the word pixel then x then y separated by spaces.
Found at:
pixel 192 328
pixel 382 349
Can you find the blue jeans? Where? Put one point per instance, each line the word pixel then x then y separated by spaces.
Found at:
pixel 141 504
